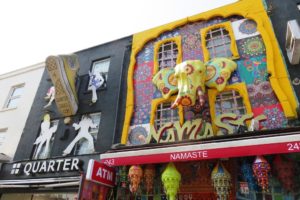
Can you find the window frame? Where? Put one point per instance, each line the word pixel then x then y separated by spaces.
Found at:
pixel 241 88
pixel 233 47
pixel 157 45
pixel 94 134
pixel 158 102
pixel 11 97
pixel 106 73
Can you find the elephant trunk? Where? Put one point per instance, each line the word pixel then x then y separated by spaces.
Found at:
pixel 201 97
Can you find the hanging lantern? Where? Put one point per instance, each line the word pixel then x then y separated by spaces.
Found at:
pixel 261 168
pixel 171 179
pixel 247 173
pixel 135 175
pixel 285 172
pixel 149 174
pixel 221 180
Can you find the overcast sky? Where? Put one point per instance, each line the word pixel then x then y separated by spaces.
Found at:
pixel 33 29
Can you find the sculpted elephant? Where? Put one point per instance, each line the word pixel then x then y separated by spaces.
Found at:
pixel 190 78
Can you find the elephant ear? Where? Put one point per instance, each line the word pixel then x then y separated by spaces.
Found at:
pixel 218 71
pixel 166 82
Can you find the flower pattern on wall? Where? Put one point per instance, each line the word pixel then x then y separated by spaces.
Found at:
pixel 261 95
pixel 141 114
pixel 138 134
pixel 248 27
pixel 250 47
pixel 253 70
pixel 275 116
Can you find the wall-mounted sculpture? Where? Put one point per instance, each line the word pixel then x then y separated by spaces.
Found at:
pixel 44 137
pixel 192 76
pixel 62 70
pixel 50 96
pixel 83 133
pixel 96 81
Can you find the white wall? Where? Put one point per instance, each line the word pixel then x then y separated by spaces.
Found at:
pixel 14 119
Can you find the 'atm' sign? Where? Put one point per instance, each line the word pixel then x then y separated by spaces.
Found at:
pixel 101 173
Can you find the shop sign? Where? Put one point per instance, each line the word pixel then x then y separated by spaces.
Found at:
pixel 101 173
pixel 244 188
pixel 46 166
pixel 202 152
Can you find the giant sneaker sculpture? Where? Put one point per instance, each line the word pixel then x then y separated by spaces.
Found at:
pixel 62 70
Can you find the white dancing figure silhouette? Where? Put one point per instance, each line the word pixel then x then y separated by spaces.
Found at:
pixel 84 126
pixel 44 137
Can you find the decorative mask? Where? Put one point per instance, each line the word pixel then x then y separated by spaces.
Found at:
pixel 261 168
pixel 221 180
pixel 171 179
pixel 135 175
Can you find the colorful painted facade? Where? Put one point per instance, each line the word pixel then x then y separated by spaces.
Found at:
pixel 259 86
pixel 194 87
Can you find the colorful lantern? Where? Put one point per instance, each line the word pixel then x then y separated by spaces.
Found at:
pixel 285 172
pixel 221 180
pixel 171 179
pixel 135 175
pixel 149 174
pixel 261 168
pixel 248 175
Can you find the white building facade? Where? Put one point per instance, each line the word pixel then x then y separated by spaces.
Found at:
pixel 18 89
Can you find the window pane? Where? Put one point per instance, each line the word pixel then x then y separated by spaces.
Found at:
pixel 82 147
pixel 12 103
pixel 165 114
pixel 167 55
pixel 43 152
pixel 218 43
pixel 14 97
pixel 230 102
pixel 17 91
pixel 101 66
pixel 2 138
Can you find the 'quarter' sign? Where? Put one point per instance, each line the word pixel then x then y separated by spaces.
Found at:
pixel 101 173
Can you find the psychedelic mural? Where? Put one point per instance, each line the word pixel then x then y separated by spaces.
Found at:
pixel 184 43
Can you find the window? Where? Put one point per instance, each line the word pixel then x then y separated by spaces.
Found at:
pixel 165 114
pixel 82 145
pixel 167 53
pixel 218 41
pixel 102 67
pixel 233 99
pixel 14 96
pixel 2 135
pixel 230 102
pixel 43 152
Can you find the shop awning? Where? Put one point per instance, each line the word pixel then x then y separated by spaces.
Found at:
pixel 40 182
pixel 239 147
